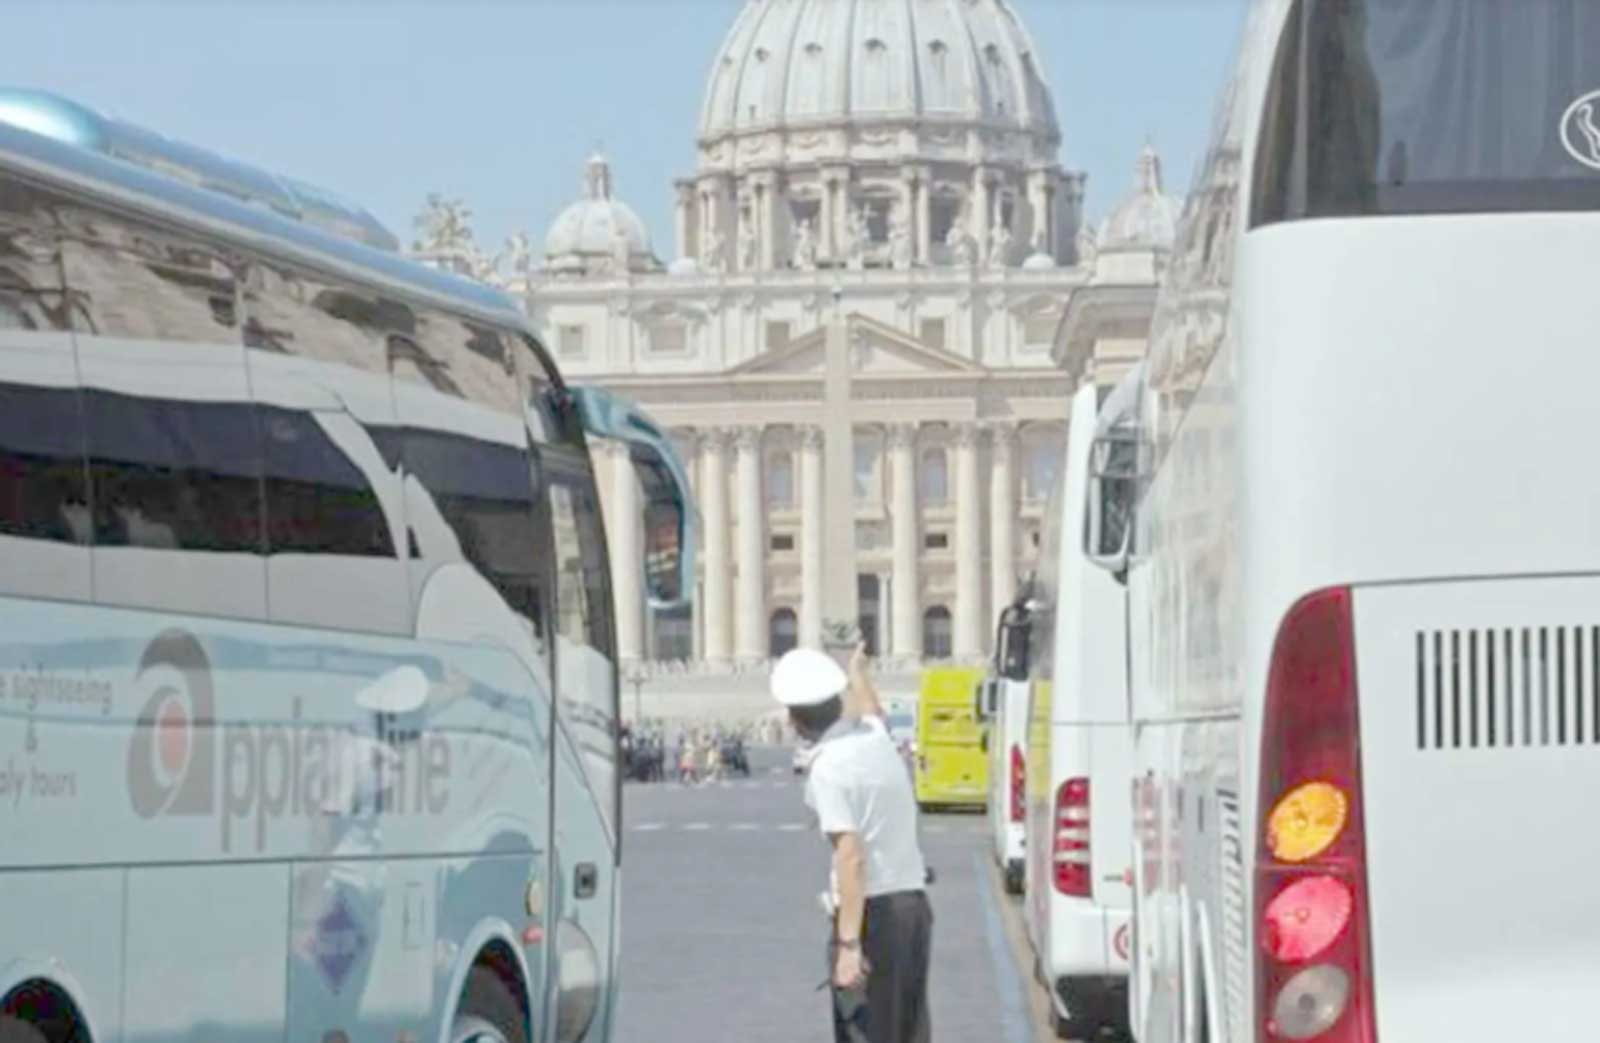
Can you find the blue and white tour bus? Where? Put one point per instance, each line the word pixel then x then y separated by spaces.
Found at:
pixel 308 692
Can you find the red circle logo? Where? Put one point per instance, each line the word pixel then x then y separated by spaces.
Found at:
pixel 1120 940
pixel 172 736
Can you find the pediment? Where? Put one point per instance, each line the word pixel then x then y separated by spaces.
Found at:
pixel 877 349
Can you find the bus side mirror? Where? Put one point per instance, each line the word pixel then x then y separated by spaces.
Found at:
pixel 986 698
pixel 669 518
pixel 1116 471
pixel 1013 658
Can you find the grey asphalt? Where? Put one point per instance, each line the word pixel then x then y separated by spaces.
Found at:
pixel 723 939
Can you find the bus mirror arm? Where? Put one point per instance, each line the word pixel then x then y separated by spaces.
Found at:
pixel 1013 652
pixel 671 526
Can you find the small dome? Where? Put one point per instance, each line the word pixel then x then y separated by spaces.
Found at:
pixel 589 229
pixel 1148 219
pixel 1038 262
pixel 684 266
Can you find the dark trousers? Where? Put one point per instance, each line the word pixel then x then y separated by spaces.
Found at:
pixel 897 941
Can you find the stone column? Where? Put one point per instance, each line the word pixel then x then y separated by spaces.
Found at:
pixel 769 225
pixel 924 216
pixel 714 515
pixel 750 617
pixel 1039 207
pixel 684 224
pixel 909 186
pixel 1002 516
pixel 969 544
pixel 839 187
pixel 825 220
pixel 1068 213
pixel 708 216
pixel 811 515
pixel 982 205
pixel 906 613
pixel 627 552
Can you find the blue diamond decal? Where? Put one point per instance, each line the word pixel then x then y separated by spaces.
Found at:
pixel 338 944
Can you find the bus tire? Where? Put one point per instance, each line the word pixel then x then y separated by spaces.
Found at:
pixel 489 1013
pixel 13 1030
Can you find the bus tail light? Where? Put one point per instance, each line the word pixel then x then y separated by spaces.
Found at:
pixel 1018 784
pixel 1314 958
pixel 1071 849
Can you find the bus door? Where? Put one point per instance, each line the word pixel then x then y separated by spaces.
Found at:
pixel 587 780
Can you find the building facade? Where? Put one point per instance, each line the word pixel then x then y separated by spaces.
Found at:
pixel 891 172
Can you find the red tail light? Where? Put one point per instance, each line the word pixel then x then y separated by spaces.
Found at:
pixel 1314 960
pixel 1071 850
pixel 1019 782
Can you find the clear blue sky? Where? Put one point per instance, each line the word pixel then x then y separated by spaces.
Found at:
pixel 500 102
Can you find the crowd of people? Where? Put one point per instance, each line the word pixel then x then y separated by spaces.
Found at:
pixel 655 751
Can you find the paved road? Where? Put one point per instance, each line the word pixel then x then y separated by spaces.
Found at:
pixel 723 938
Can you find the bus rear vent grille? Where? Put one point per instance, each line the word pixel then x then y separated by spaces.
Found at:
pixel 1508 686
pixel 1233 916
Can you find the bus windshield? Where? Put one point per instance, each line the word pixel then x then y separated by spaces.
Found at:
pixel 1388 107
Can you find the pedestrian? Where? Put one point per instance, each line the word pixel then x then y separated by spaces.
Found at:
pixel 860 793
pixel 713 760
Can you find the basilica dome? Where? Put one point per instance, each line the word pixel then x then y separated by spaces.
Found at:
pixel 592 232
pixel 951 65
pixel 1149 217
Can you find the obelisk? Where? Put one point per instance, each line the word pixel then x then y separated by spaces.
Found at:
pixel 841 622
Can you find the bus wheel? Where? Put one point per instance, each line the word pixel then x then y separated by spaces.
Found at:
pixel 489 1013
pixel 14 1031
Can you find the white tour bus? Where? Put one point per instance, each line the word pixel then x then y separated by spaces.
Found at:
pixel 1003 709
pixel 1363 564
pixel 1069 641
pixel 308 705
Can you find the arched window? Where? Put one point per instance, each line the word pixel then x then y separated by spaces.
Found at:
pixel 780 478
pixel 936 633
pixel 783 632
pixel 933 479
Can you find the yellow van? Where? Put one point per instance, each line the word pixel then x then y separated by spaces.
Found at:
pixel 952 769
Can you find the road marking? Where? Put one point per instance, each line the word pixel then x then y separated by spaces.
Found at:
pixel 649 827
pixel 1007 975
pixel 697 827
pixel 791 827
pixel 744 827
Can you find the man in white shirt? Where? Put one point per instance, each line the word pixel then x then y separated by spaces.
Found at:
pixel 860 791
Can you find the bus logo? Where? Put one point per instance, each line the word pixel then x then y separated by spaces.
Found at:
pixel 170 760
pixel 1580 130
pixel 339 943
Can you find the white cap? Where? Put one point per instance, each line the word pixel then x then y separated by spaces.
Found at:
pixel 806 677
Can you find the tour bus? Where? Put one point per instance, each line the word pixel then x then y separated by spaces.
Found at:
pixel 1363 563
pixel 308 699
pixel 951 771
pixel 1003 710
pixel 1068 644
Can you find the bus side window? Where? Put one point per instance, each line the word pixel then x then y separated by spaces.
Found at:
pixel 483 491
pixel 174 453
pixel 583 595
pixel 585 658
pixel 464 453
pixel 319 501
pixel 44 487
pixel 335 517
